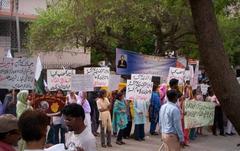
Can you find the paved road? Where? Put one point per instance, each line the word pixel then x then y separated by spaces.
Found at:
pixel 202 143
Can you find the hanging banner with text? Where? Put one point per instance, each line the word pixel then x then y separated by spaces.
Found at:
pixel 141 77
pixel 176 73
pixel 59 79
pixel 114 82
pixel 81 82
pixel 198 114
pixel 17 73
pixel 129 62
pixel 140 90
pixel 100 75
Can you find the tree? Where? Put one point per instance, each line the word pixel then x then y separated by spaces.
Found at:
pixel 215 59
pixel 104 25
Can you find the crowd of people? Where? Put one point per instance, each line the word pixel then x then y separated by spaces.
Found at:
pixel 87 112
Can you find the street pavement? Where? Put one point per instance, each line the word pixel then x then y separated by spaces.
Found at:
pixel 202 143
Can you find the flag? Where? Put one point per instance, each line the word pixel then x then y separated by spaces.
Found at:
pixel 9 54
pixel 38 69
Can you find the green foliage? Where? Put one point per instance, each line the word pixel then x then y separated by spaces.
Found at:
pixel 146 26
pixel 230 29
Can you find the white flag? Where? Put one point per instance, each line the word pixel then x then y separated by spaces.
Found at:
pixel 9 54
pixel 38 69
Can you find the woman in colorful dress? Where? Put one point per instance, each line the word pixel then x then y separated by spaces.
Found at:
pixel 120 119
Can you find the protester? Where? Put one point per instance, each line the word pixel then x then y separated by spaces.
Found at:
pixel 172 134
pixel 9 103
pixel 193 131
pixel 1 108
pixel 173 83
pixel 130 112
pixel 120 120
pixel 9 134
pixel 79 137
pixel 187 90
pixel 218 115
pixel 22 102
pixel 154 109
pixel 230 129
pixel 104 105
pixel 180 102
pixel 163 92
pixel 57 124
pixel 33 127
pixel 140 110
pixel 92 97
pixel 82 100
pixel 72 98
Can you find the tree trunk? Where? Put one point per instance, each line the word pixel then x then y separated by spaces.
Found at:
pixel 215 59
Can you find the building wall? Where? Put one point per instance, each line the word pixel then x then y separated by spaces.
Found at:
pixel 30 7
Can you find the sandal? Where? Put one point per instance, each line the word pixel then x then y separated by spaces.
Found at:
pixel 123 142
pixel 119 143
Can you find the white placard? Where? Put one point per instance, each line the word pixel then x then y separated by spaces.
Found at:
pixel 59 79
pixel 114 82
pixel 141 77
pixel 100 75
pixel 81 82
pixel 176 73
pixel 140 90
pixel 204 88
pixel 17 73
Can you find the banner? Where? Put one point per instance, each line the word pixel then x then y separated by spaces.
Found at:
pixel 140 90
pixel 198 114
pixel 81 82
pixel 141 77
pixel 17 73
pixel 114 82
pixel 47 103
pixel 100 75
pixel 128 62
pixel 59 79
pixel 176 73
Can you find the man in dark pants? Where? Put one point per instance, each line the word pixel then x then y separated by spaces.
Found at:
pixel 94 111
pixel 218 121
pixel 218 115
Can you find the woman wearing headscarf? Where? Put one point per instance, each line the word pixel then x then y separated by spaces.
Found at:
pixel 86 106
pixel 120 119
pixel 163 92
pixel 22 106
pixel 72 98
pixel 22 103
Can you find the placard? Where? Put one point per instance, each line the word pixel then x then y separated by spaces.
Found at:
pixel 17 73
pixel 198 114
pixel 141 77
pixel 176 73
pixel 114 82
pixel 59 79
pixel 204 88
pixel 81 82
pixel 140 90
pixel 100 75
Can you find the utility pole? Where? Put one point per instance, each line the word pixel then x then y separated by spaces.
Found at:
pixel 17 26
